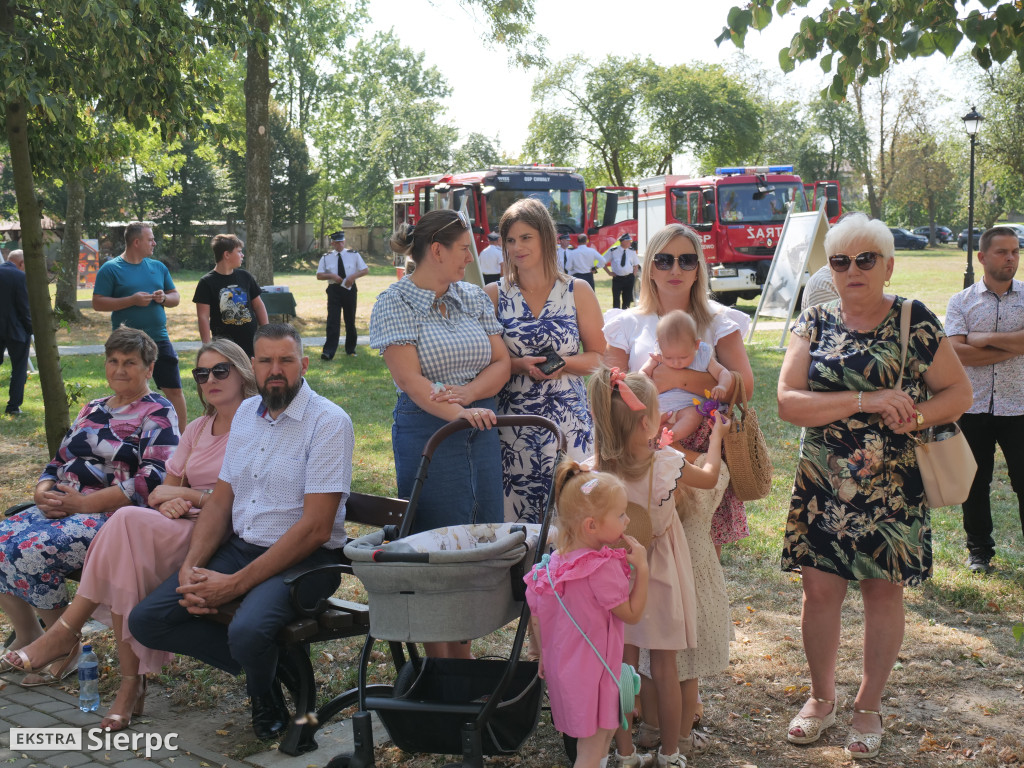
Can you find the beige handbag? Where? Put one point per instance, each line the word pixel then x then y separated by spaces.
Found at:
pixel 947 466
pixel 746 451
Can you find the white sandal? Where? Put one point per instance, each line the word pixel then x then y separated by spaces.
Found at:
pixel 812 727
pixel 871 741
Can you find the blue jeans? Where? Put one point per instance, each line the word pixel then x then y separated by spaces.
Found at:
pixel 464 480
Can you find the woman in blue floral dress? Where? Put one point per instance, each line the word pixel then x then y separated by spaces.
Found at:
pixel 858 510
pixel 539 309
pixel 113 455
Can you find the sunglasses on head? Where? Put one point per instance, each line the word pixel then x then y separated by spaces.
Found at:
pixel 865 261
pixel 664 261
pixel 220 372
pixel 460 216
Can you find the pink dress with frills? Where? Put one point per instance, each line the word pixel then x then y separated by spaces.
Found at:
pixel 138 548
pixel 590 582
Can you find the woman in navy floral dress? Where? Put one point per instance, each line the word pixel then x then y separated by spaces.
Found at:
pixel 113 456
pixel 858 510
pixel 539 309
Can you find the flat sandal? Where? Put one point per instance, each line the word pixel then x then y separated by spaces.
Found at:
pixel 812 727
pixel 871 741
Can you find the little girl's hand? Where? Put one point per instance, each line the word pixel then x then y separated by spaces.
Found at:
pixel 636 555
pixel 720 424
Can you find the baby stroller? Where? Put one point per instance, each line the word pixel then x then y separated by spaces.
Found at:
pixel 451 584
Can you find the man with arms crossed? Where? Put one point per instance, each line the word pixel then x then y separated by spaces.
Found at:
pixel 280 504
pixel 985 324
pixel 135 289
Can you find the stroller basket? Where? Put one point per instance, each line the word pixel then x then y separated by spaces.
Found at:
pixel 456 583
pixel 443 695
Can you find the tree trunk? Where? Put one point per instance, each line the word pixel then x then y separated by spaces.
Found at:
pixel 55 404
pixel 259 240
pixel 66 303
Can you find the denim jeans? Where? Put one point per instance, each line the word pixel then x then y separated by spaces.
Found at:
pixel 464 480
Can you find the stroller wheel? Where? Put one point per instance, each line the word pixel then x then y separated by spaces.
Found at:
pixel 569 742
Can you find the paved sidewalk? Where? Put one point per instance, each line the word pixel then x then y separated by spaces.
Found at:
pixel 49 707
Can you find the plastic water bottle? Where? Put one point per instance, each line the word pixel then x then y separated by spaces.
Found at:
pixel 88 680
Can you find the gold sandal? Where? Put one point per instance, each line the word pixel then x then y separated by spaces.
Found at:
pixel 812 727
pixel 116 722
pixel 49 672
pixel 872 742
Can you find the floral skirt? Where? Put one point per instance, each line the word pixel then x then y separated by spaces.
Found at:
pixel 730 521
pixel 37 554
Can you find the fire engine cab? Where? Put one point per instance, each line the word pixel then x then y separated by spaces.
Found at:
pixel 738 213
pixel 604 213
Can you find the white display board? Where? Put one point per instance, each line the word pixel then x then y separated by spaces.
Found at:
pixel 801 249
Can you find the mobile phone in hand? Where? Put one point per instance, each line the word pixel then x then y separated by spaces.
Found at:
pixel 552 362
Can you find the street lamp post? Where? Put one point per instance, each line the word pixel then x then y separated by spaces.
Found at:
pixel 972 122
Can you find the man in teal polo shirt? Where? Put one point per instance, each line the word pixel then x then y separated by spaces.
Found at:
pixel 136 288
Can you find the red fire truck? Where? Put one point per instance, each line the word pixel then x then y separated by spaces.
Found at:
pixel 603 213
pixel 739 213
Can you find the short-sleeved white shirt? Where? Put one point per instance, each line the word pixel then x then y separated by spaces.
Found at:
pixel 582 259
pixel 998 388
pixel 351 259
pixel 613 259
pixel 490 260
pixel 272 464
pixel 636 331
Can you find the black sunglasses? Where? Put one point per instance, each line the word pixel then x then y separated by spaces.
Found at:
pixel 664 261
pixel 220 372
pixel 865 261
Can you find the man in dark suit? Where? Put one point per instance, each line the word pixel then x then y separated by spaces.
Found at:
pixel 15 326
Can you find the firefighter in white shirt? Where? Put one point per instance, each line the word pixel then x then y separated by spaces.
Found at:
pixel 583 261
pixel 341 267
pixel 563 253
pixel 622 264
pixel 492 262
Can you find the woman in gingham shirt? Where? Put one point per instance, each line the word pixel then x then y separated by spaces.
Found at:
pixel 442 343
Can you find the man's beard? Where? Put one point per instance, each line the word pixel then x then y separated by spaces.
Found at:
pixel 278 399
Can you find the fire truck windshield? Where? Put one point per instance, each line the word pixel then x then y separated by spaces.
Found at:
pixel 565 206
pixel 744 203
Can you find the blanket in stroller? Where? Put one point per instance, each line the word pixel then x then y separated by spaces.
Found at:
pixel 453 583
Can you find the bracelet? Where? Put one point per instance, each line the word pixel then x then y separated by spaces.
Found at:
pixel 205 495
pixel 860 402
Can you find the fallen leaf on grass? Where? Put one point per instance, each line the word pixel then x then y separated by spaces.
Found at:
pixel 221 733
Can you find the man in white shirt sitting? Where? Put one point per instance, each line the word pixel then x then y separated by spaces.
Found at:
pixel 278 508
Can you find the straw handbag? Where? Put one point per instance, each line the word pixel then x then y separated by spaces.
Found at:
pixel 746 451
pixel 947 466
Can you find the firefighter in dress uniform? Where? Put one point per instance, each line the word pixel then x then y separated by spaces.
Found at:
pixel 622 264
pixel 492 262
pixel 563 253
pixel 341 268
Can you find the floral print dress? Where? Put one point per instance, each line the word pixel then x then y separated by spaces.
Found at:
pixel 126 447
pixel 527 453
pixel 858 508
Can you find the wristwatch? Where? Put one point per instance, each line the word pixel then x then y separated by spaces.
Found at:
pixel 920 418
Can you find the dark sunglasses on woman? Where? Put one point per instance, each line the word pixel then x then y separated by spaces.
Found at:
pixel 220 372
pixel 664 261
pixel 865 261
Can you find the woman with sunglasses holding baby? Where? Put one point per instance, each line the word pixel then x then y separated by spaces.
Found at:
pixel 139 547
pixel 858 510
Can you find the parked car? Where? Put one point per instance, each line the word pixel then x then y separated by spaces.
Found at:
pixel 904 239
pixel 942 234
pixel 1019 229
pixel 961 242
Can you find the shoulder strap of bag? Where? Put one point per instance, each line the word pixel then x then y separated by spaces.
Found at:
pixel 904 337
pixel 738 401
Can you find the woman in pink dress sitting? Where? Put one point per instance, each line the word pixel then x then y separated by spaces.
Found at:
pixel 139 547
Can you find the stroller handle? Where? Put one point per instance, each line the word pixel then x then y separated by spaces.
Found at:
pixel 503 421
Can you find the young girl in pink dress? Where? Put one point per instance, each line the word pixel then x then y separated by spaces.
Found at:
pixel 626 439
pixel 593 584
pixel 139 547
